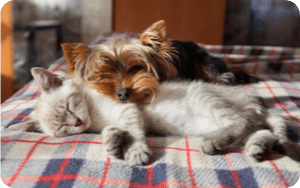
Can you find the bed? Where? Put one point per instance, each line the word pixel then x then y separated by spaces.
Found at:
pixel 31 159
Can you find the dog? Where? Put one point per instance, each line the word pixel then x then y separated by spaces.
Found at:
pixel 195 63
pixel 128 68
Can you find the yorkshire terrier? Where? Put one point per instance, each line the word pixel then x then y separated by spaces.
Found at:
pixel 128 68
pixel 195 63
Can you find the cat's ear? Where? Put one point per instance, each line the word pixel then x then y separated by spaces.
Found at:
pixel 74 53
pixel 29 123
pixel 155 36
pixel 47 80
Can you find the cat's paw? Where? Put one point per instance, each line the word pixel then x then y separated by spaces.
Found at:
pixel 212 146
pixel 113 141
pixel 257 152
pixel 259 145
pixel 258 149
pixel 138 154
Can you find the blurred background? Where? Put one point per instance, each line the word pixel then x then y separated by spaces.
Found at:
pixel 38 27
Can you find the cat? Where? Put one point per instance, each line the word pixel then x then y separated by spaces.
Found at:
pixel 222 115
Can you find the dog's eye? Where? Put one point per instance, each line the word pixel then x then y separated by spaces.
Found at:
pixel 103 76
pixel 214 72
pixel 135 69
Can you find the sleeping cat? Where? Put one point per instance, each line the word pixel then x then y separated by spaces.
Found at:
pixel 222 115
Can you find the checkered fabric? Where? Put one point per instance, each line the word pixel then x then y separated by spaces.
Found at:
pixel 36 160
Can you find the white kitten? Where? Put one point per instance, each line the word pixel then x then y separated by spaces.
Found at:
pixel 223 115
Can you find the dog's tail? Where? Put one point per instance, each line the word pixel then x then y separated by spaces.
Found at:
pixel 217 68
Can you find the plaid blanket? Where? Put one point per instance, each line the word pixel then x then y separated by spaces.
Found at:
pixel 35 160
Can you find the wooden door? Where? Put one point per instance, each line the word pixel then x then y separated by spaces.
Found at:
pixel 7 72
pixel 198 20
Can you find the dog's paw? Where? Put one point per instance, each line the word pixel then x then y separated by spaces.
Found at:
pixel 113 141
pixel 138 154
pixel 228 78
pixel 212 146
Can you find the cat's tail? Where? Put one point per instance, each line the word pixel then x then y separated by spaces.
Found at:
pixel 291 149
pixel 279 129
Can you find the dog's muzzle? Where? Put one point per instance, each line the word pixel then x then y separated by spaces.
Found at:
pixel 123 94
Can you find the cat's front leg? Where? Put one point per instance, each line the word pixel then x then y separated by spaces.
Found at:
pixel 215 143
pixel 138 154
pixel 130 130
pixel 114 141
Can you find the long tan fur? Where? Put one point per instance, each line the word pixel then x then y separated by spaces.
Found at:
pixel 124 61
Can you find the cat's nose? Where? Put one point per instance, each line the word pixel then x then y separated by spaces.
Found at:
pixel 123 94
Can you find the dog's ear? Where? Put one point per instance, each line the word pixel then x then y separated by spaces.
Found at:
pixel 74 53
pixel 155 36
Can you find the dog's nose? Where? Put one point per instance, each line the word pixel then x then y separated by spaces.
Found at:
pixel 123 94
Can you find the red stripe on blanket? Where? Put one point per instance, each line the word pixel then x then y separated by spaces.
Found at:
pixel 22 89
pixel 63 165
pixel 280 104
pixel 33 96
pixel 279 174
pixel 292 66
pixel 93 142
pixel 96 180
pixel 247 89
pixel 71 177
pixel 273 185
pixel 180 149
pixel 7 137
pixel 149 180
pixel 106 168
pixel 150 167
pixel 52 143
pixel 234 173
pixel 274 87
pixel 189 163
pixel 25 160
pixel 289 87
pixel 14 116
pixel 291 69
pixel 58 66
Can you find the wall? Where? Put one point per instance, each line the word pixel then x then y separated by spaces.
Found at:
pixel 69 12
pixel 82 22
pixel 262 22
pixel 6 52
pixel 97 19
pixel 198 20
